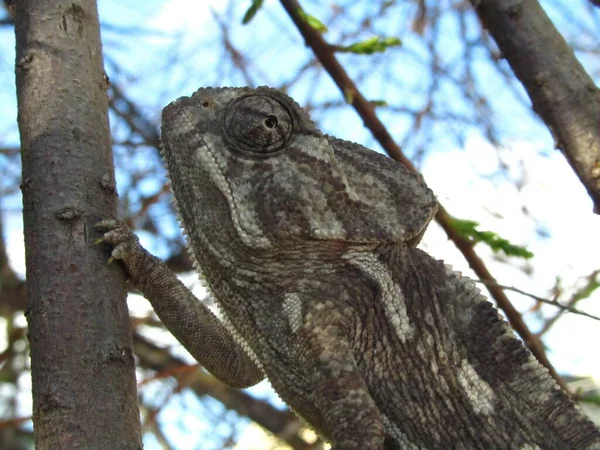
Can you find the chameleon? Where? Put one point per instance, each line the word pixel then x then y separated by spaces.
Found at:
pixel 308 245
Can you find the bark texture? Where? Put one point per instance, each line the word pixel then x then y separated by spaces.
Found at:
pixel 84 393
pixel 561 91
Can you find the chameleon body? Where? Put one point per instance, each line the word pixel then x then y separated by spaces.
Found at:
pixel 308 245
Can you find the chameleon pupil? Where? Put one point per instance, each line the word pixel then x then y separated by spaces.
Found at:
pixel 271 121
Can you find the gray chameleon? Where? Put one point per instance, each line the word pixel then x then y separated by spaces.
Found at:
pixel 308 245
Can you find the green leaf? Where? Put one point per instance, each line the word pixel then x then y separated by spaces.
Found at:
pixel 370 46
pixel 312 21
pixel 379 103
pixel 387 4
pixel 588 289
pixel 468 230
pixel 593 398
pixel 251 12
pixel 349 96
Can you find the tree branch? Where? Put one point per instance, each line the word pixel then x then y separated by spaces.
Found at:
pixel 568 306
pixel 82 366
pixel 283 424
pixel 561 91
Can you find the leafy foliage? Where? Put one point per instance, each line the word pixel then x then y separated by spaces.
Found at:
pixel 379 103
pixel 252 10
pixel 312 21
pixel 468 230
pixel 590 287
pixel 375 44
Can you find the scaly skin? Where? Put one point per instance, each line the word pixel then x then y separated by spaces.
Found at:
pixel 308 244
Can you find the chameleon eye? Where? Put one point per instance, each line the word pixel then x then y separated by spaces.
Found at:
pixel 271 121
pixel 258 123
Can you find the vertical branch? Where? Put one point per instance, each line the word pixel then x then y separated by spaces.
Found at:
pixel 84 393
pixel 561 91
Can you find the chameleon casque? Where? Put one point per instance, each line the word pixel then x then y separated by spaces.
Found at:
pixel 308 245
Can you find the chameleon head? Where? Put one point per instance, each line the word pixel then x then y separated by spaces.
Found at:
pixel 249 162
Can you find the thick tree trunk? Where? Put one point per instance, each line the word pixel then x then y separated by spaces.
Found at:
pixel 561 91
pixel 84 393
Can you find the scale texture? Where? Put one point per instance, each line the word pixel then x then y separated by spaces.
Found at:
pixel 308 245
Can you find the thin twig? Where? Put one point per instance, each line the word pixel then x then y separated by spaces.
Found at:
pixel 561 306
pixel 582 293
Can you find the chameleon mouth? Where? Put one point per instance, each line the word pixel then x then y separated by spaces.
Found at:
pixel 177 159
pixel 190 251
pixel 188 153
pixel 180 149
pixel 198 268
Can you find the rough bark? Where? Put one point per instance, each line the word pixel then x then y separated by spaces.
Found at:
pixel 84 393
pixel 561 91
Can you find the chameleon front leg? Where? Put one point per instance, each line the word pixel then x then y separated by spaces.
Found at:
pixel 349 414
pixel 192 323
